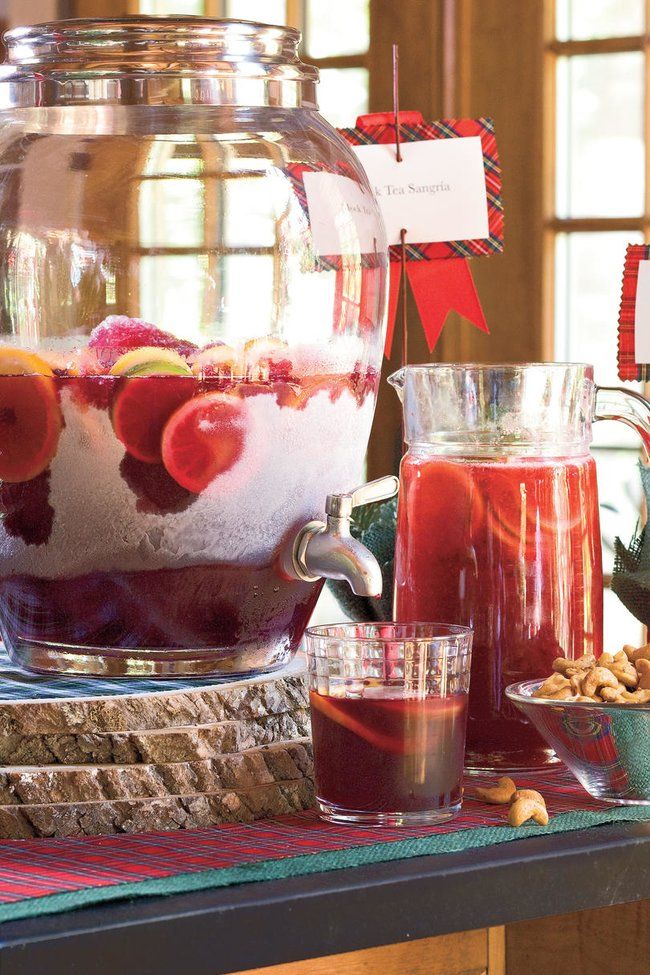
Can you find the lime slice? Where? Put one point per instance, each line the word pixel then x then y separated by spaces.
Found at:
pixel 151 361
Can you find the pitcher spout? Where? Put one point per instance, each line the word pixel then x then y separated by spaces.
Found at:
pixel 397 382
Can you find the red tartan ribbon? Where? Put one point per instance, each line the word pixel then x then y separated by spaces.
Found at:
pixel 438 287
pixel 628 367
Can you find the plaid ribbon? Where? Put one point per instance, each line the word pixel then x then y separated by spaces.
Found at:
pixel 628 367
pixel 108 867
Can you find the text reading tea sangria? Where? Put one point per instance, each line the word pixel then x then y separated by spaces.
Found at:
pixel 498 528
pixel 184 376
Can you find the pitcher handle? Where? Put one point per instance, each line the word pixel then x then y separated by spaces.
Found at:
pixel 616 403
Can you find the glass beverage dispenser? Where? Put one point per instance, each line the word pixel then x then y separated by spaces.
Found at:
pixel 193 287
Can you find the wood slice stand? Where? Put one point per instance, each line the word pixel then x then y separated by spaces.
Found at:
pixel 86 756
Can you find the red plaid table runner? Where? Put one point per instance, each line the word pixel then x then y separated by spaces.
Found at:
pixel 46 876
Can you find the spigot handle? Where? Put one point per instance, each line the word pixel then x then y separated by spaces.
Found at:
pixel 342 505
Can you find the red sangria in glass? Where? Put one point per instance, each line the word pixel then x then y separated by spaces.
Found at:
pixel 498 528
pixel 388 712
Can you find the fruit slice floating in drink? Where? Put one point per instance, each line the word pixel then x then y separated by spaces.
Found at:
pixel 30 415
pixel 455 506
pixel 267 358
pixel 149 360
pixel 203 439
pixel 118 334
pixel 220 361
pixel 402 726
pixel 157 381
pixel 516 513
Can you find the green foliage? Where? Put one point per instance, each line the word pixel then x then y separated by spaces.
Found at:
pixel 374 526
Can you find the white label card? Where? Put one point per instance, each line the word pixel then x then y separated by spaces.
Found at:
pixel 342 215
pixel 437 193
pixel 642 314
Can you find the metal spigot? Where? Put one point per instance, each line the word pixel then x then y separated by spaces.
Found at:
pixel 328 550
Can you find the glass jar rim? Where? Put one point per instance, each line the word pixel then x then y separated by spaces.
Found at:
pixel 345 631
pixel 514 367
pixel 217 37
pixel 155 60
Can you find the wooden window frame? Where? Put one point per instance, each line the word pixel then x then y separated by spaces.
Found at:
pixel 554 225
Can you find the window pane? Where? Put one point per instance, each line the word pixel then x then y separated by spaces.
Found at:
pixel 173 289
pixel 171 212
pixel 589 268
pixel 247 294
pixel 600 147
pixel 249 213
pixel 166 8
pixel 336 27
pixel 587 289
pixel 343 94
pixel 619 626
pixel 264 11
pixel 581 19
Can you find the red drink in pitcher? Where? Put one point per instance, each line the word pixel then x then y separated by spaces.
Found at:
pixel 510 548
pixel 498 526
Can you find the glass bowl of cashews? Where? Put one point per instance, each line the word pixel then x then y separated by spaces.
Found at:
pixel 595 713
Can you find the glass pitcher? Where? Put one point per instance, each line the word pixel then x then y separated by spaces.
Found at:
pixel 498 526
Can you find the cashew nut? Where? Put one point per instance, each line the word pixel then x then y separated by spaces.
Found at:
pixel 606 660
pixel 555 683
pixel 597 678
pixel 524 809
pixel 576 684
pixel 643 653
pixel 625 674
pixel 643 670
pixel 636 697
pixel 529 794
pixel 612 694
pixel 499 794
pixel 562 665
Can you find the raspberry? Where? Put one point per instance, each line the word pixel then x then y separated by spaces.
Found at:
pixel 157 492
pixel 26 510
pixel 119 333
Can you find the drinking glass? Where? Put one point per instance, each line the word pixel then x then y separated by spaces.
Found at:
pixel 388 712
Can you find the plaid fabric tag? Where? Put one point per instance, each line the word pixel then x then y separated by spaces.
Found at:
pixel 628 367
pixel 413 128
pixel 328 262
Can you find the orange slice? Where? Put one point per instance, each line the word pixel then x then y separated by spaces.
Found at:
pixel 203 439
pixel 20 362
pixel 217 360
pixel 30 415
